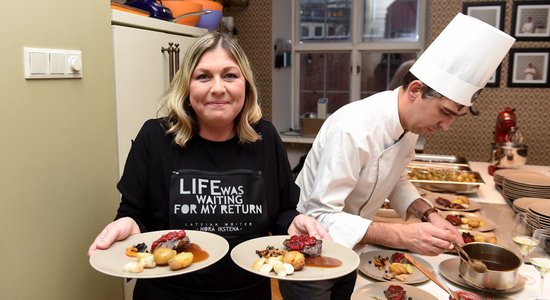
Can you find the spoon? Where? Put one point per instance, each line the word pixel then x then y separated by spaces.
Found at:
pixel 201 12
pixel 475 264
pixel 431 276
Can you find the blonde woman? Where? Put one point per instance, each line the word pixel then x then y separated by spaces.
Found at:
pixel 211 130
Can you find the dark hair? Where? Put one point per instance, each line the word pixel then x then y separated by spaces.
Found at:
pixel 428 92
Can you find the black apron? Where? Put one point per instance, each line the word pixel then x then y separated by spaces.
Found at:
pixel 231 204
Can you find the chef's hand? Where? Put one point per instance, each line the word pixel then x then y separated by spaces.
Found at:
pixel 440 222
pixel 427 238
pixel 303 224
pixel 116 231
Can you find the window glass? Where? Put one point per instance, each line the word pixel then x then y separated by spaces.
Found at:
pixel 324 75
pixel 381 71
pixel 390 20
pixel 325 20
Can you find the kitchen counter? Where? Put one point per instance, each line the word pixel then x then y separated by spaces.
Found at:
pixel 495 207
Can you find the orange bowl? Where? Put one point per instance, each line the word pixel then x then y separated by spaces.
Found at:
pixel 180 7
pixel 208 4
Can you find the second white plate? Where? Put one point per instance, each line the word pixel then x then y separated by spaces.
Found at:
pixel 244 255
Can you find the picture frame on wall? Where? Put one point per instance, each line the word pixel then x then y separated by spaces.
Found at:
pixel 528 67
pixel 531 20
pixel 492 13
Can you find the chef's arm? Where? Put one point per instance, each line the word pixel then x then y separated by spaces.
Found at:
pixel 421 209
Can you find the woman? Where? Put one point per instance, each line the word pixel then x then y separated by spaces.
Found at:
pixel 212 132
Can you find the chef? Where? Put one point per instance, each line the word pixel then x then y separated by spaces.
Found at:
pixel 360 154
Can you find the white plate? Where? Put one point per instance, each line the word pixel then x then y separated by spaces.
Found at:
pixel 244 255
pixel 432 196
pixel 489 225
pixel 372 290
pixel 112 260
pixel 372 271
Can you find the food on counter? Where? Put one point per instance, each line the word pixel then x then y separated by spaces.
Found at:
pixel 308 245
pixel 176 240
pixel 380 262
pixel 458 202
pixel 464 295
pixel 469 238
pixel 395 292
pixel 454 220
pixel 386 205
pixel 436 174
pixel 464 222
pixel 180 261
pixel 395 267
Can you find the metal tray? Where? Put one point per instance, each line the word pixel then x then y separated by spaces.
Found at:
pixel 444 159
pixel 422 164
pixel 448 186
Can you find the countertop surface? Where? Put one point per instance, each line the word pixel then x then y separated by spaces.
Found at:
pixel 495 207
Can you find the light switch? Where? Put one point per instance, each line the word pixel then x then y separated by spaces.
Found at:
pixel 41 63
pixel 58 65
pixel 38 62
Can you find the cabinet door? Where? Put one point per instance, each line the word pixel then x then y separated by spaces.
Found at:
pixel 141 74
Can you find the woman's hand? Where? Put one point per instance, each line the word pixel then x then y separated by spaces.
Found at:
pixel 303 224
pixel 116 231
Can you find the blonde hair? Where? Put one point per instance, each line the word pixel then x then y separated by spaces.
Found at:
pixel 175 103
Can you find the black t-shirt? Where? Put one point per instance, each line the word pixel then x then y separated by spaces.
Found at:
pixel 145 188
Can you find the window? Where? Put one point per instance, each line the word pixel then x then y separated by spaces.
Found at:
pixel 339 58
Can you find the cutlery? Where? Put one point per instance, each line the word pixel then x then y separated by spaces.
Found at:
pixel 431 276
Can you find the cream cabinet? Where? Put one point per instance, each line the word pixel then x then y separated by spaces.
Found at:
pixel 142 69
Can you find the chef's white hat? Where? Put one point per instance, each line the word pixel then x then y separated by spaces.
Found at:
pixel 461 60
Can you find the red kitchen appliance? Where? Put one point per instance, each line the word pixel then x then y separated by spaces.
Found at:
pixel 506 125
pixel 508 150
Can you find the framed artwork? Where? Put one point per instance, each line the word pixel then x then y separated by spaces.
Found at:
pixel 528 67
pixel 531 20
pixel 493 14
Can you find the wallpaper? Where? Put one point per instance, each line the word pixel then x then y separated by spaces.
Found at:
pixel 471 136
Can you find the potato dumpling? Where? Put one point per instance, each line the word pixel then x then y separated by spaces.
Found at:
pixel 180 261
pixel 491 239
pixel 296 259
pixel 474 223
pixel 162 255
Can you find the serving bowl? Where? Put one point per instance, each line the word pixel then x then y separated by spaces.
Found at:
pixel 502 265
pixel 212 20
pixel 181 7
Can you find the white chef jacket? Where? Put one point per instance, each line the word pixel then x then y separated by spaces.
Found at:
pixel 356 162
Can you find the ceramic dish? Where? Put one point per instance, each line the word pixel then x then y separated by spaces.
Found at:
pixel 111 261
pixel 473 205
pixel 367 267
pixel 488 226
pixel 244 255
pixel 376 291
pixel 449 269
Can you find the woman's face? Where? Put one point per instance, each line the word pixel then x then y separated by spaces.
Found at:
pixel 217 90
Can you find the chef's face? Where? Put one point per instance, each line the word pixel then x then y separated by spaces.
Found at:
pixel 435 114
pixel 217 89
